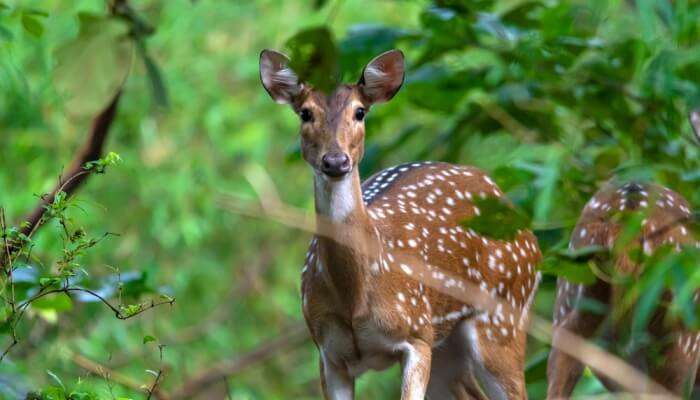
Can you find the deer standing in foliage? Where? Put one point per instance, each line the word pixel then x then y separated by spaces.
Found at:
pixel 671 357
pixel 382 278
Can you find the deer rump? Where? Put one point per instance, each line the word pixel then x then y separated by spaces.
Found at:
pixel 669 353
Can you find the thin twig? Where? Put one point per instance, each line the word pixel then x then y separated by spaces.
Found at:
pixel 154 386
pixel 66 290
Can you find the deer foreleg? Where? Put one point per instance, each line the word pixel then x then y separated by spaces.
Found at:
pixel 415 364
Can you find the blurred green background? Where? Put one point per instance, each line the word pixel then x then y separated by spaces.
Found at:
pixel 551 97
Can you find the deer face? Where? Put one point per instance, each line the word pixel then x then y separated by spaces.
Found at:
pixel 332 124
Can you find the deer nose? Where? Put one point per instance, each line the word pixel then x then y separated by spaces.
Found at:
pixel 335 164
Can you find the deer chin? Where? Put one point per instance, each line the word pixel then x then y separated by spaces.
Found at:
pixel 335 197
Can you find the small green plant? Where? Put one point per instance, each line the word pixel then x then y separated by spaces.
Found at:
pixel 53 292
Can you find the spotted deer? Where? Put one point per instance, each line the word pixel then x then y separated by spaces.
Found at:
pixel 666 223
pixel 381 284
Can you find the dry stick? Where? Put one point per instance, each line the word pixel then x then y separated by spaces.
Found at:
pixel 213 375
pixel 605 363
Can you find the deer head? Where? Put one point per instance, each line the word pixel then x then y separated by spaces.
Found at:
pixel 332 124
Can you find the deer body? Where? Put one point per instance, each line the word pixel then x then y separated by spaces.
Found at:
pixel 369 310
pixel 668 214
pixel 392 276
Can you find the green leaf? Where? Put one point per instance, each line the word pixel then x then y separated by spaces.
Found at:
pixel 50 281
pixel 5 33
pixel 56 379
pixel 32 25
pixel 572 271
pixel 53 393
pixel 155 77
pixel 92 67
pixel 651 286
pixel 99 166
pixel 630 223
pixel 314 58
pixel 497 219
pixel 59 303
pixel 148 338
pixel 131 309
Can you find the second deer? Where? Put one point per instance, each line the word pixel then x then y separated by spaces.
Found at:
pixel 389 277
pixel 672 356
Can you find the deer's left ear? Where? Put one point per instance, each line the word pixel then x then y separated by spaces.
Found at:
pixel 278 79
pixel 382 77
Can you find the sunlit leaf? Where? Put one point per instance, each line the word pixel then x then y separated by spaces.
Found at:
pixel 569 269
pixel 56 302
pixel 56 379
pixel 32 25
pixel 92 67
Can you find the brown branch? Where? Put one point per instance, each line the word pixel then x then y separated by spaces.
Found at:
pixel 213 375
pixel 76 175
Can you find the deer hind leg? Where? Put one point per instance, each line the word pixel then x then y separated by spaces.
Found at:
pixel 470 366
pixel 564 371
pixel 501 371
pixel 335 382
pixel 451 377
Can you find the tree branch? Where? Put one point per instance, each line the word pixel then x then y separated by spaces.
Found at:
pixel 76 175
pixel 213 375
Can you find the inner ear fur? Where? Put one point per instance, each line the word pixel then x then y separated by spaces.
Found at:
pixel 280 81
pixel 382 78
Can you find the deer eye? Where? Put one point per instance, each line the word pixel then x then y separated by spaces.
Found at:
pixel 306 115
pixel 360 113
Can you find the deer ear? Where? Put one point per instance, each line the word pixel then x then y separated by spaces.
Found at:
pixel 278 79
pixel 382 77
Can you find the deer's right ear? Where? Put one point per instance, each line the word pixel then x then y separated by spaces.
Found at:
pixel 278 79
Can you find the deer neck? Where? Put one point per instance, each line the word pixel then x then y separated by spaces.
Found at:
pixel 347 240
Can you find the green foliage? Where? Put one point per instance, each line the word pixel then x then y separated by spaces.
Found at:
pixel 314 57
pixel 101 54
pixel 99 166
pixel 551 98
pixel 60 392
pixel 574 267
pixel 497 219
pixel 32 23
pixel 51 295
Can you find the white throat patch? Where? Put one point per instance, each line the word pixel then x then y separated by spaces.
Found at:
pixel 334 199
